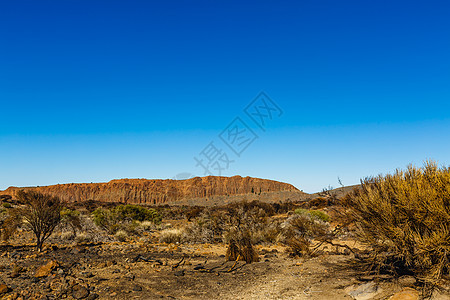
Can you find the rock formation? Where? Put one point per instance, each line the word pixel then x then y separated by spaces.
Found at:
pixel 159 191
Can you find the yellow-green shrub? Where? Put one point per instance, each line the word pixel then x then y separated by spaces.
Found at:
pixel 316 214
pixel 405 219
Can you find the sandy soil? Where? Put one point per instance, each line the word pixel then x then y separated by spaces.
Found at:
pixel 160 271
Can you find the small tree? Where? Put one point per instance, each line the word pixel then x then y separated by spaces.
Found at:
pixel 40 214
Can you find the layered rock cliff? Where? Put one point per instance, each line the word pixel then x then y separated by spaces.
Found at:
pixel 159 191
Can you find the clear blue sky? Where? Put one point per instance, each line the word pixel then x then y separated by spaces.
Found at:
pixel 96 90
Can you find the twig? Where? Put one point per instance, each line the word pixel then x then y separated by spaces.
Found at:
pixel 237 259
pixel 340 245
pixel 216 267
pixel 328 240
pixel 178 264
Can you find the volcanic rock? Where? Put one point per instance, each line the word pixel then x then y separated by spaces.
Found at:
pixel 46 269
pixel 159 191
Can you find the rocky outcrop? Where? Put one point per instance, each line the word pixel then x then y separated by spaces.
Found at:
pixel 159 191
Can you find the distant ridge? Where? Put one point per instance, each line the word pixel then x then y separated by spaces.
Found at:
pixel 163 191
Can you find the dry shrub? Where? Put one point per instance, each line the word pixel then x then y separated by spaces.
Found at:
pixel 89 233
pixel 240 246
pixel 171 236
pixel 247 251
pixel 265 209
pixel 405 219
pixel 320 202
pixel 232 251
pixel 270 233
pixel 193 212
pixel 121 235
pixel 198 232
pixel 12 221
pixel 92 232
pixel 6 198
pixel 298 246
pixel 82 237
pixel 213 222
pixel 147 225
pixel 299 230
pixel 304 225
pixel 67 236
pixel 217 224
pixel 245 221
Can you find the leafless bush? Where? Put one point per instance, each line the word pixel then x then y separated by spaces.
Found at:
pixel 198 233
pixel 270 233
pixel 40 214
pixel 91 232
pixel 299 230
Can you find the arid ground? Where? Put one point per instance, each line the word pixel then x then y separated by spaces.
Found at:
pixel 141 267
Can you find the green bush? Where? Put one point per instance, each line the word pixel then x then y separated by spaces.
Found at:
pixel 405 219
pixel 66 212
pixel 101 217
pixel 124 217
pixel 316 214
pixel 137 213
pixel 320 215
pixel 301 211
pixel 71 219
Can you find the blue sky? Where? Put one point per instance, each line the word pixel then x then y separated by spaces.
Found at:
pixel 96 90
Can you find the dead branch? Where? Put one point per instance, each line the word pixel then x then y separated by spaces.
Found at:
pixel 178 263
pixel 237 259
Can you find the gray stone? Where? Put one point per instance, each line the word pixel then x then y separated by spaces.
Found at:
pixel 364 291
pixel 80 292
pixel 92 296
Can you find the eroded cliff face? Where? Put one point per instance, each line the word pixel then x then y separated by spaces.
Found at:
pixel 158 191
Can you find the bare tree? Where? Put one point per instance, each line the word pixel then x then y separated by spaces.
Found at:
pixel 40 214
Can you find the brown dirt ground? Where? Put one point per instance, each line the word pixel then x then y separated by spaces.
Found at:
pixel 142 271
